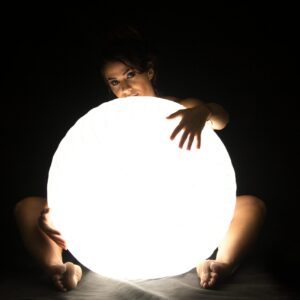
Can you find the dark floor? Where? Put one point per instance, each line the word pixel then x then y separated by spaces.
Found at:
pixel 253 280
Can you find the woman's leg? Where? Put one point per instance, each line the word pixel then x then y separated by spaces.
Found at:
pixel 245 226
pixel 46 252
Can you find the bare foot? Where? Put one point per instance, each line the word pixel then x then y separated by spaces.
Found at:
pixel 65 276
pixel 211 271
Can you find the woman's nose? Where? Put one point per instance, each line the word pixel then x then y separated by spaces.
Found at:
pixel 126 89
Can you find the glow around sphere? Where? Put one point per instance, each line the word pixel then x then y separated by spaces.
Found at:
pixel 129 202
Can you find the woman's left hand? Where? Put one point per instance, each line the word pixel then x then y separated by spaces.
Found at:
pixel 192 122
pixel 47 228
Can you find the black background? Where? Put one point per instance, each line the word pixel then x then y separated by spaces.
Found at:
pixel 243 57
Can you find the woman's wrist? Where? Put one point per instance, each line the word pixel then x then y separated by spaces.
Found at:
pixel 218 116
pixel 209 112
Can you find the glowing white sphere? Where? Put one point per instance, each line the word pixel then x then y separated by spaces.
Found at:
pixel 129 202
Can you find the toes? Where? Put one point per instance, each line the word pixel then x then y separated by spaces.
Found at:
pixel 72 275
pixel 213 279
pixel 57 280
pixel 61 287
pixel 56 274
pixel 210 272
pixel 205 274
pixel 214 275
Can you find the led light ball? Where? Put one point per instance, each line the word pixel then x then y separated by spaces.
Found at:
pixel 129 202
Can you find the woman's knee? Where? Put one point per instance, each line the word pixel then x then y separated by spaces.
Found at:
pixel 253 202
pixel 29 204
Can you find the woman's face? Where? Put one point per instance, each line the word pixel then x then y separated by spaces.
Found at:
pixel 125 81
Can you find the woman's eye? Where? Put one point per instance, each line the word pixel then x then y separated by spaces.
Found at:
pixel 114 82
pixel 131 74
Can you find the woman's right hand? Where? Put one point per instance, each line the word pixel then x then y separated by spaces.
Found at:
pixel 46 226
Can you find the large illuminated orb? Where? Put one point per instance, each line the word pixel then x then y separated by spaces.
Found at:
pixel 129 202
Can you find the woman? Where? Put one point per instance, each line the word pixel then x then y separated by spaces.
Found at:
pixel 128 68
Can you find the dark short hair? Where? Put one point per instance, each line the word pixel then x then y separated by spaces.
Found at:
pixel 125 44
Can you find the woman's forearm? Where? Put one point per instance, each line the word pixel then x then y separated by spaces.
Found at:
pixel 217 115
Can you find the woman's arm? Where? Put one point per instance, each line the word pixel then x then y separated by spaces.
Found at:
pixel 216 114
pixel 194 117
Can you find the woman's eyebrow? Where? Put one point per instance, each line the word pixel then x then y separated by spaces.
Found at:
pixel 126 70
